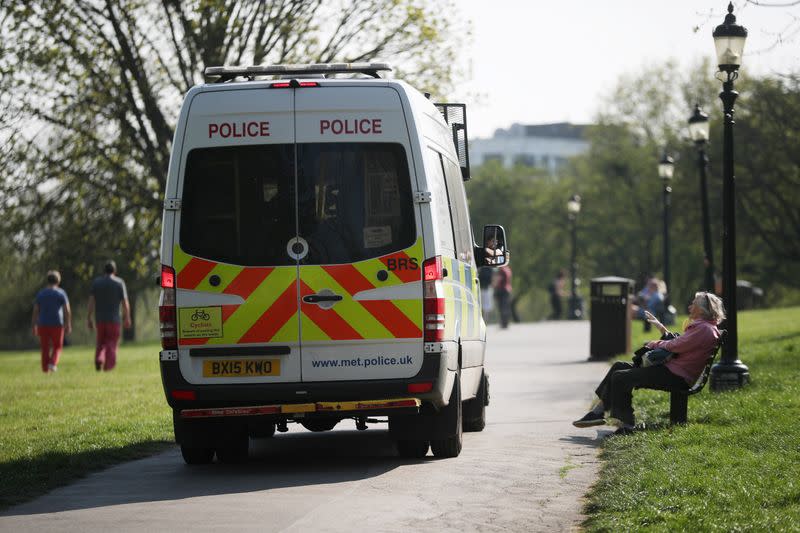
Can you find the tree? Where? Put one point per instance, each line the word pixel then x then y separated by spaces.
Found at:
pixel 90 91
pixel 531 205
pixel 768 169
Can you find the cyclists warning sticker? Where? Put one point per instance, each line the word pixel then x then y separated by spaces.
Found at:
pixel 200 322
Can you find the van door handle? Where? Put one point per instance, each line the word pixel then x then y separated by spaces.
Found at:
pixel 319 298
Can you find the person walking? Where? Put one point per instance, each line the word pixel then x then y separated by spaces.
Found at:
pixel 556 290
pixel 52 318
pixel 502 294
pixel 485 279
pixel 106 294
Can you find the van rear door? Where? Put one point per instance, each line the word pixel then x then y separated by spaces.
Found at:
pixel 360 271
pixel 237 282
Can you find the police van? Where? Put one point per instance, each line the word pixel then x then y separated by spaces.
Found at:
pixel 318 262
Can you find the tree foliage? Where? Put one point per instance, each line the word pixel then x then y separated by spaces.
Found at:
pixel 621 220
pixel 768 164
pixel 90 92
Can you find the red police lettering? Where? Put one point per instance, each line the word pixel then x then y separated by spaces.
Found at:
pixel 364 126
pixel 239 129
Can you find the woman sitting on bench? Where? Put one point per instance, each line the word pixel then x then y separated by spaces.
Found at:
pixel 691 351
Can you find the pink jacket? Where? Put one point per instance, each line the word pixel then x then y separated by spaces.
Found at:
pixel 692 348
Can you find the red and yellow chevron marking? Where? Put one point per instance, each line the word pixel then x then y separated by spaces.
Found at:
pixel 273 318
pixel 246 282
pixel 406 275
pixel 194 272
pixel 271 299
pixel 385 311
pixel 328 320
pixel 365 319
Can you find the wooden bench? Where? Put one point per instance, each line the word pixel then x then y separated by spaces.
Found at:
pixel 679 400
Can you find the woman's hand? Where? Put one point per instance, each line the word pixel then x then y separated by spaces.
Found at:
pixel 654 321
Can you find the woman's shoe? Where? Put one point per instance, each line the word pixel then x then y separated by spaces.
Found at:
pixel 590 419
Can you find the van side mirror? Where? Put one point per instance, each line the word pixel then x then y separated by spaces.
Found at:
pixel 494 250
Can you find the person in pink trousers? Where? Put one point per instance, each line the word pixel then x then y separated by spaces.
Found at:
pixel 107 293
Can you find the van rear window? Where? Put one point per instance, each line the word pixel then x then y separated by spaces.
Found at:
pixel 352 202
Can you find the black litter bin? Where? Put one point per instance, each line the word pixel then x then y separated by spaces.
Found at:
pixel 611 317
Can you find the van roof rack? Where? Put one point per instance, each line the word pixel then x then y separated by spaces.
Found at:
pixel 226 73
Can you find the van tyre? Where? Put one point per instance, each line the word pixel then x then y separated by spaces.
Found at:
pixel 235 448
pixel 262 431
pixel 193 455
pixel 475 409
pixel 451 446
pixel 412 449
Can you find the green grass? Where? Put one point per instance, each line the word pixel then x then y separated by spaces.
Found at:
pixel 57 427
pixel 734 467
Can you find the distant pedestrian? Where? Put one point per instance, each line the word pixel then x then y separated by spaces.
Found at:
pixel 502 294
pixel 52 318
pixel 556 291
pixel 652 299
pixel 485 280
pixel 106 294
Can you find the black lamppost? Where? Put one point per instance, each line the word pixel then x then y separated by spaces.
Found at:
pixel 698 131
pixel 575 307
pixel 729 39
pixel 666 166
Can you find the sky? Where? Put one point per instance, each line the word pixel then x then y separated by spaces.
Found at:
pixel 541 61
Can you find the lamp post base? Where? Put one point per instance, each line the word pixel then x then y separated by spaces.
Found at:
pixel 575 309
pixel 729 376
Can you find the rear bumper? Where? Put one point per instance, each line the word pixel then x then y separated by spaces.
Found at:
pixel 288 394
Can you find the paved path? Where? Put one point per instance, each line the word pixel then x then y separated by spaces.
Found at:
pixel 527 471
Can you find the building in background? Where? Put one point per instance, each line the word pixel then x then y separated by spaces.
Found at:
pixel 546 146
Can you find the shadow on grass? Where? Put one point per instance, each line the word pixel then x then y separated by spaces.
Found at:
pixel 286 460
pixel 24 479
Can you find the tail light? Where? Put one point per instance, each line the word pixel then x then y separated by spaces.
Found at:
pixel 294 84
pixel 433 300
pixel 183 395
pixel 415 388
pixel 167 311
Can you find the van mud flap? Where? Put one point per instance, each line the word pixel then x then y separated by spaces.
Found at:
pixel 429 424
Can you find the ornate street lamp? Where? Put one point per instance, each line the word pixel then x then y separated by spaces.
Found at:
pixel 729 38
pixel 666 166
pixel 698 131
pixel 575 307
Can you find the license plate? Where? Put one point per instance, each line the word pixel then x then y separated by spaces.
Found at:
pixel 239 368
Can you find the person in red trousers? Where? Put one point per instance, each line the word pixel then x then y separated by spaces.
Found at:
pixel 52 318
pixel 106 294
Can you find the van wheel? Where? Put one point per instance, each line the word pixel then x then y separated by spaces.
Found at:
pixel 262 431
pixel 319 425
pixel 197 456
pixel 451 446
pixel 235 448
pixel 412 449
pixel 475 409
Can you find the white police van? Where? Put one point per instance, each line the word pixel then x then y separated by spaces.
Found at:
pixel 318 262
